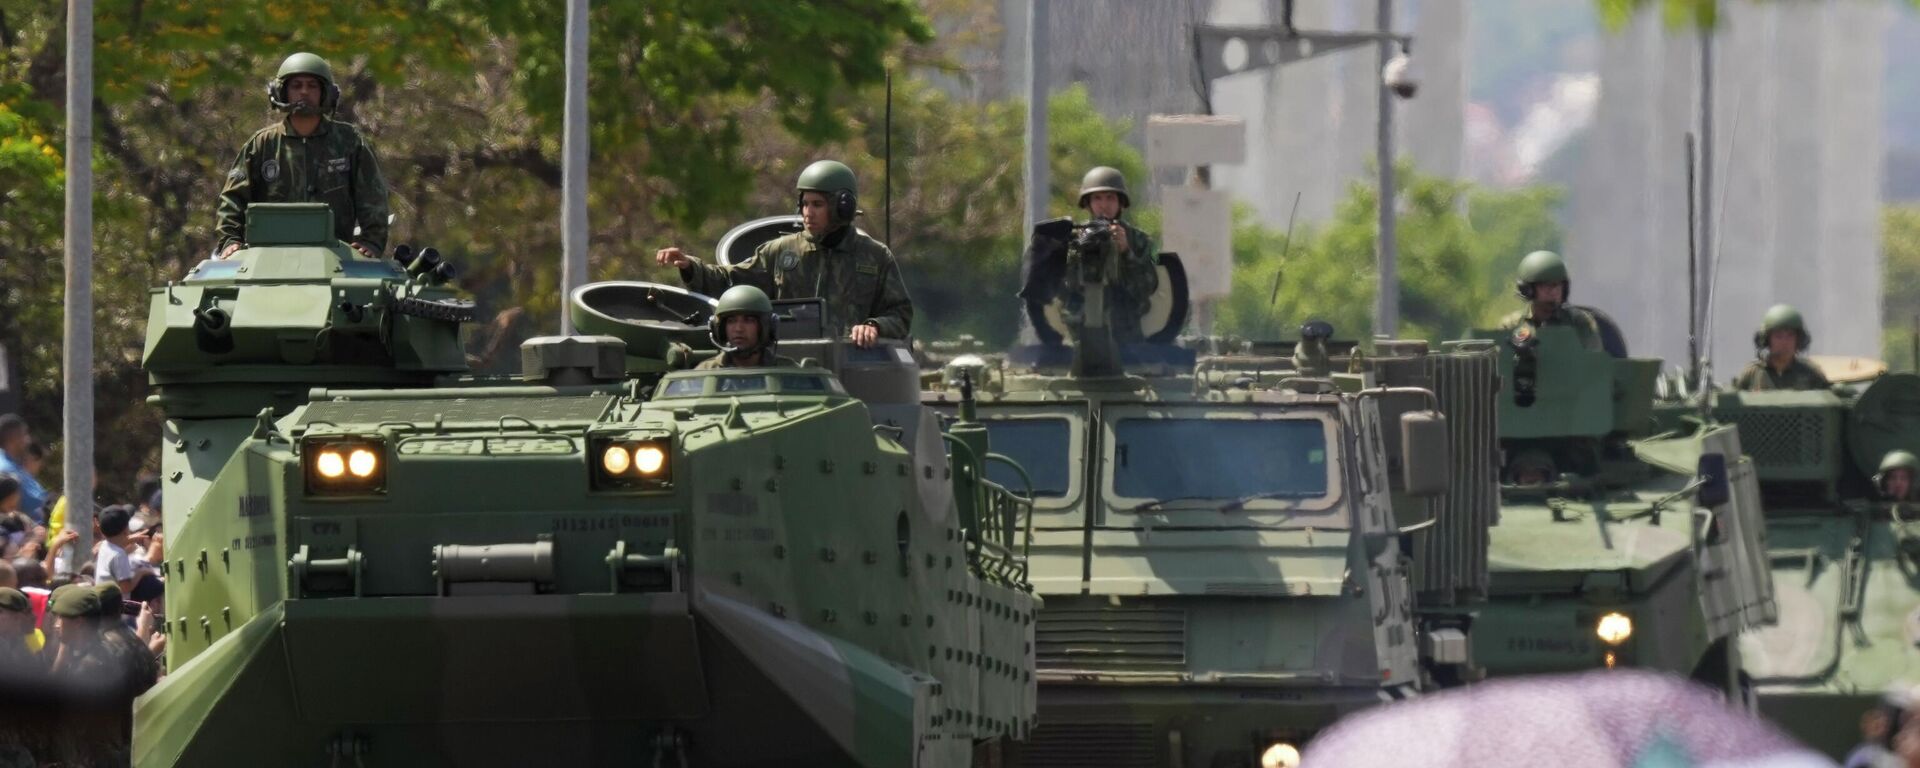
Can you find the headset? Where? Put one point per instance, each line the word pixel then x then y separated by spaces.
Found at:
pixel 844 204
pixel 1525 289
pixel 277 93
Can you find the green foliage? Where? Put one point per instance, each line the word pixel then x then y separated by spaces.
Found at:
pixel 1900 242
pixel 1457 249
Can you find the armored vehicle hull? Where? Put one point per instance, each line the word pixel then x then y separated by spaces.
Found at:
pixel 592 563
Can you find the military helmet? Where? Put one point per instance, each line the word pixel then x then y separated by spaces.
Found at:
pixel 835 180
pixel 743 299
pixel 1541 267
pixel 1897 459
pixel 1782 316
pixel 304 63
pixel 1104 179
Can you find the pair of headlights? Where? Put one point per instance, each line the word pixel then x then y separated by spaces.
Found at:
pixel 352 466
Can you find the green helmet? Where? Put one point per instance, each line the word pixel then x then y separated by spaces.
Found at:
pixel 834 179
pixel 742 299
pixel 1104 179
pixel 304 63
pixel 1541 267
pixel 1782 316
pixel 1900 459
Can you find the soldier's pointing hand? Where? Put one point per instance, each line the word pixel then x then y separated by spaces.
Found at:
pixel 674 257
pixel 1119 236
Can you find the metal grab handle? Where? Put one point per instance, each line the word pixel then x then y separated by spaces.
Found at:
pixel 302 567
pixel 519 562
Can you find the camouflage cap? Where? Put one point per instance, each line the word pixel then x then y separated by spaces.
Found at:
pixel 74 601
pixel 14 600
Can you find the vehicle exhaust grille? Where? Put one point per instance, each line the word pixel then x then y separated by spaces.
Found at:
pixel 1111 637
pixel 1106 745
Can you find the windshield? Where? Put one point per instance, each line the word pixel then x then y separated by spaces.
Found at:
pixel 1229 459
pixel 1039 446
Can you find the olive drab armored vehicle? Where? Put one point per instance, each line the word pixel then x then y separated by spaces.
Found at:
pixel 381 561
pixel 1232 553
pixel 1626 537
pixel 1845 557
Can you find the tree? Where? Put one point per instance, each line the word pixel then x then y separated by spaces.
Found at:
pixel 1900 238
pixel 1458 247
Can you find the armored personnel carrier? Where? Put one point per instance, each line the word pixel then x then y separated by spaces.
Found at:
pixel 1233 552
pixel 1845 559
pixel 382 561
pixel 1628 535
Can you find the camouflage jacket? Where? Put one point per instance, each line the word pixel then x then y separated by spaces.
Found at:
pixel 1760 377
pixel 857 276
pixel 334 165
pixel 725 360
pixel 1044 267
pixel 1582 323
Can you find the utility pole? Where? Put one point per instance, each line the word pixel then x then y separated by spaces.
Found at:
pixel 77 419
pixel 573 171
pixel 1221 51
pixel 1386 298
pixel 1037 167
pixel 1706 200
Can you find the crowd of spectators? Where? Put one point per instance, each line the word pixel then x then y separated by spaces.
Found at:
pixel 81 631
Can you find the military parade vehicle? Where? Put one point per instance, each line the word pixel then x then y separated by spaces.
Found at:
pixel 378 559
pixel 1845 559
pixel 1233 551
pixel 1629 535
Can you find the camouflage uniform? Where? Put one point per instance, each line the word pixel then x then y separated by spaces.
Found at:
pixel 1583 324
pixel 725 360
pixel 1760 377
pixel 854 273
pixel 333 165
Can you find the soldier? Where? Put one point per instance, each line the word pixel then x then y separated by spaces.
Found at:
pixel 743 328
pixel 307 157
pixel 1103 193
pixel 1895 478
pixel 1777 347
pixel 866 298
pixel 1542 281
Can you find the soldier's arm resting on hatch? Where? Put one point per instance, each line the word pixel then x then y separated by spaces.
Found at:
pixel 370 198
pixel 893 309
pixel 235 195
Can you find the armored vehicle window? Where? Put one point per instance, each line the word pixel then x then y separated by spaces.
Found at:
pixel 793 383
pixel 1219 459
pixel 742 384
pixel 684 388
pixel 1039 446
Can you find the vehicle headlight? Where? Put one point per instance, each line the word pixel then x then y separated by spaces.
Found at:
pixel 1614 628
pixel 632 464
pixel 344 465
pixel 1280 755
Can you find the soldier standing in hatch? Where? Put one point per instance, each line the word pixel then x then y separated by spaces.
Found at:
pixel 1777 345
pixel 744 330
pixel 1542 281
pixel 1895 478
pixel 1103 193
pixel 307 157
pixel 865 296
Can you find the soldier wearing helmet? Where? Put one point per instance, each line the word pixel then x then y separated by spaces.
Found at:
pixel 1895 478
pixel 744 330
pixel 856 274
pixel 307 157
pixel 1103 193
pixel 1777 347
pixel 1543 283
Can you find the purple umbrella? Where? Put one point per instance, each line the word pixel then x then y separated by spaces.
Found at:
pixel 1624 718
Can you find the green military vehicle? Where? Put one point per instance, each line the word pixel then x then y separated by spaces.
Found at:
pixel 1233 552
pixel 381 560
pixel 1629 535
pixel 1846 561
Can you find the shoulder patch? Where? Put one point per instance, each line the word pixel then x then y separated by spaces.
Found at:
pixel 270 170
pixel 237 174
pixel 789 259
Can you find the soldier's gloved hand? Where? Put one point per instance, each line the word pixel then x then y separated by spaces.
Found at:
pixel 228 251
pixel 674 257
pixel 1119 237
pixel 865 334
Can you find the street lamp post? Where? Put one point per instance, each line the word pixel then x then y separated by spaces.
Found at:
pixel 1222 50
